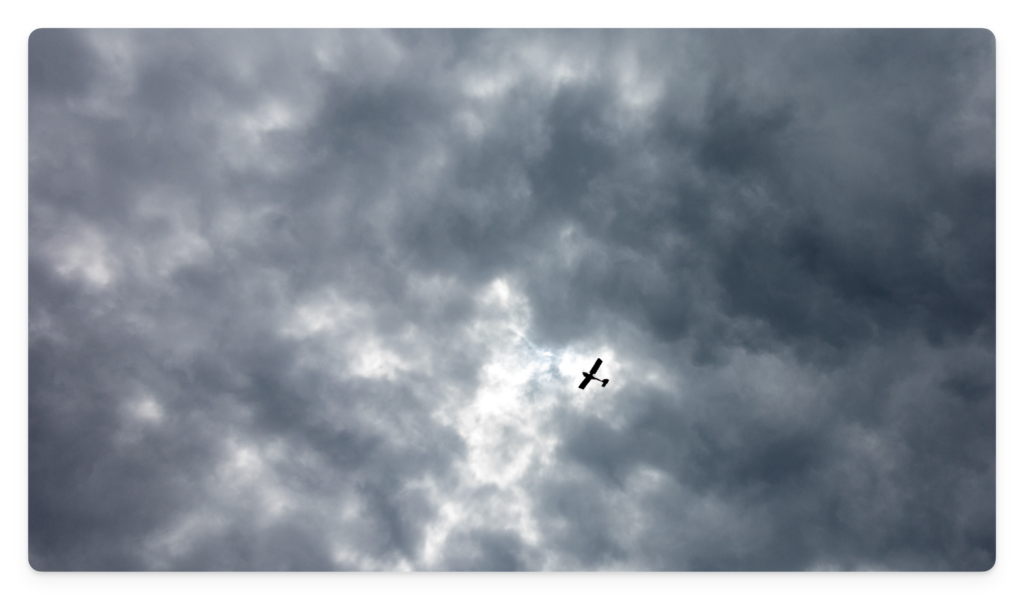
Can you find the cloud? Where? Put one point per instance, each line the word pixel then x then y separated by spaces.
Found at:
pixel 317 300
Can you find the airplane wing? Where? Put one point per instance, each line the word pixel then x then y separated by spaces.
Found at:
pixel 596 366
pixel 586 380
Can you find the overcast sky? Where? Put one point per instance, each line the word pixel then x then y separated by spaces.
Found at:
pixel 317 300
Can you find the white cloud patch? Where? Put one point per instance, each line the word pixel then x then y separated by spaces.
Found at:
pixel 83 253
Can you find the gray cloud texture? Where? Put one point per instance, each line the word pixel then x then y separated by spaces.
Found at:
pixel 317 300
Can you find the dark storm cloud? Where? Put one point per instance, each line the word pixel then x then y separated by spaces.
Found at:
pixel 314 300
pixel 484 550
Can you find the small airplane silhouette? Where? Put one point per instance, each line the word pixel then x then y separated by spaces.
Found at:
pixel 588 376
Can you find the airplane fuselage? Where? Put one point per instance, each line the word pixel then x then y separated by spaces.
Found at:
pixel 588 376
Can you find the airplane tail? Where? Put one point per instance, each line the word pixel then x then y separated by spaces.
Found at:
pixel 604 382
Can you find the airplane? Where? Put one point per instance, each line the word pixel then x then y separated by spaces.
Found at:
pixel 588 376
